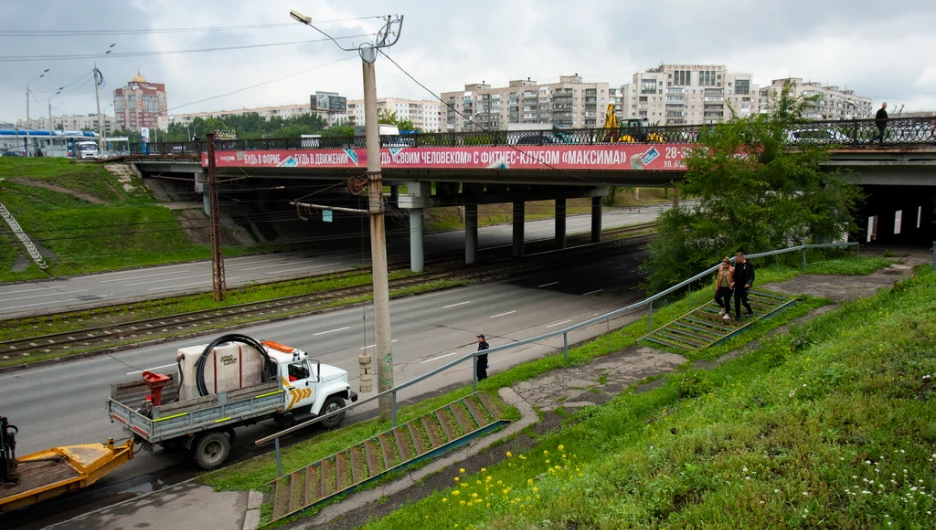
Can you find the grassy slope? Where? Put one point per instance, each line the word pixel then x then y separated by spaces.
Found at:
pixel 828 426
pixel 128 231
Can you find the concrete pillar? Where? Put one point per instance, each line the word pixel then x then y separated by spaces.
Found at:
pixel 416 239
pixel 596 220
pixel 518 224
pixel 201 186
pixel 394 195
pixel 471 234
pixel 560 223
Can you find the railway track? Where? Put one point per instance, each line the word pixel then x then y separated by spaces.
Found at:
pixel 105 336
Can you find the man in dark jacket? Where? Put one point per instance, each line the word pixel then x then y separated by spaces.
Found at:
pixel 880 119
pixel 742 281
pixel 482 359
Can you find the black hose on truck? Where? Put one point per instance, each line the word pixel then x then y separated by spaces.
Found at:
pixel 270 366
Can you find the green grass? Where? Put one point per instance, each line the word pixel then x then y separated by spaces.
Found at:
pixel 128 230
pixel 829 426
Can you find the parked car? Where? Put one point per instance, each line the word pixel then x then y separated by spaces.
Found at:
pixel 12 153
pixel 817 136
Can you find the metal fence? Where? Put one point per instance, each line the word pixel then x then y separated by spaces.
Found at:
pixel 900 132
pixel 645 303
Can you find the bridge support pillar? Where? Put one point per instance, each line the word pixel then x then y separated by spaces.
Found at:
pixel 471 234
pixel 560 223
pixel 394 195
pixel 518 224
pixel 596 220
pixel 416 239
pixel 201 186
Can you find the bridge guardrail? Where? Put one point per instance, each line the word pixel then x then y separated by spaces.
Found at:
pixel 900 132
pixel 473 356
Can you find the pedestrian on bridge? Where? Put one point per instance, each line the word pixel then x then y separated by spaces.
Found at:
pixel 880 120
pixel 482 365
pixel 722 291
pixel 741 282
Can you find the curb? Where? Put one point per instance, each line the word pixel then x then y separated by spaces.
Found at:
pixel 355 500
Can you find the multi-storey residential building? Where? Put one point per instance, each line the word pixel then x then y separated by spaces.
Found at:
pixel 568 103
pixel 425 115
pixel 70 122
pixel 140 104
pixel 830 103
pixel 678 94
pixel 267 113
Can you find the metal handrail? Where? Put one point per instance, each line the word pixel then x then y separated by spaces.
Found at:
pixel 564 332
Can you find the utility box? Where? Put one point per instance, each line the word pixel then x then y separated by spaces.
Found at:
pixel 230 366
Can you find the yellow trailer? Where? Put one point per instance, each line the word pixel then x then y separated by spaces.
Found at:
pixel 55 471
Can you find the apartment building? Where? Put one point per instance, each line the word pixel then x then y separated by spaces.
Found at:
pixel 140 104
pixel 425 115
pixel 568 103
pixel 831 103
pixel 70 122
pixel 267 113
pixel 685 94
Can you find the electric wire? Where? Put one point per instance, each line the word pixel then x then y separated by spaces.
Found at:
pixel 97 32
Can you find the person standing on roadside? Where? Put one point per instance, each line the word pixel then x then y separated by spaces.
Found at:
pixel 741 282
pixel 482 365
pixel 880 120
pixel 722 291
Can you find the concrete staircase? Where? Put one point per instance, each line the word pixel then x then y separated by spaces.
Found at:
pixel 422 438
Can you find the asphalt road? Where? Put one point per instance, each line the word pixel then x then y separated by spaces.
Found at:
pixel 64 404
pixel 26 298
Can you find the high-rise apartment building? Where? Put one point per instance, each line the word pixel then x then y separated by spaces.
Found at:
pixel 70 122
pixel 267 113
pixel 140 104
pixel 426 115
pixel 683 94
pixel 568 103
pixel 831 103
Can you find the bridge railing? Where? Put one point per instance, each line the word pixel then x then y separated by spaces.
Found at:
pixel 645 304
pixel 900 132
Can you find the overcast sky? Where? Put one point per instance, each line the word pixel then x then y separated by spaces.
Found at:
pixel 880 49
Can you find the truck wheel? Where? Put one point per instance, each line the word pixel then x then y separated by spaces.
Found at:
pixel 332 404
pixel 210 450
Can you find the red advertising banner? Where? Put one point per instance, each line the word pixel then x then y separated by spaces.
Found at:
pixel 596 157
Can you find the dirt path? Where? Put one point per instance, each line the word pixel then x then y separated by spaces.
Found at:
pixel 77 194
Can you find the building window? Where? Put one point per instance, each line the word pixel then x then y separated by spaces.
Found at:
pixel 742 86
pixel 707 78
pixel 682 77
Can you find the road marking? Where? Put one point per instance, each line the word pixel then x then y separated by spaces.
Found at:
pixel 546 285
pixel 150 369
pixel 559 323
pixel 148 276
pixel 504 314
pixel 374 345
pixel 300 269
pixel 28 290
pixel 593 292
pixel 330 331
pixel 44 303
pixel 262 266
pixel 229 278
pixel 436 358
pixel 160 281
pixel 456 305
pixel 54 293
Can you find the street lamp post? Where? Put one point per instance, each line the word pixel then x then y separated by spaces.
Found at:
pixel 388 35
pixel 99 82
pixel 31 79
pixel 57 92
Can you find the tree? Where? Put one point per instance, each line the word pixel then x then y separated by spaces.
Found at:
pixel 754 194
pixel 391 118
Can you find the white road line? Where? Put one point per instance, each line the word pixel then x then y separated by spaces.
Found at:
pixel 54 293
pixel 160 281
pixel 300 269
pixel 592 292
pixel 27 290
pixel 43 303
pixel 262 267
pixel 148 276
pixel 137 271
pixel 546 285
pixel 330 331
pixel 559 323
pixel 150 369
pixel 374 345
pixel 456 305
pixel 229 278
pixel 436 358
pixel 504 314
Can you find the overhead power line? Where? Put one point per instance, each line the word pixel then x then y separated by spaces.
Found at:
pixel 202 29
pixel 28 58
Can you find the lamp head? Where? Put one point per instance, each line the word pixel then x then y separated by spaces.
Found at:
pixel 305 19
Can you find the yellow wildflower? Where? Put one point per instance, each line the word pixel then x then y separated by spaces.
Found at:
pixel 462 470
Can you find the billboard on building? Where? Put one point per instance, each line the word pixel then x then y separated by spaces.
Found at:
pixel 329 102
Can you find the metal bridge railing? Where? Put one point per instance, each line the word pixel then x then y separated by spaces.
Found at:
pixel 473 356
pixel 900 132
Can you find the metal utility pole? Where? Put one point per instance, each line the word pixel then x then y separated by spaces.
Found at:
pixel 98 81
pixel 387 36
pixel 217 255
pixel 29 125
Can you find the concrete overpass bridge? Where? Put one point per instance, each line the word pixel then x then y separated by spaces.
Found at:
pixel 467 169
